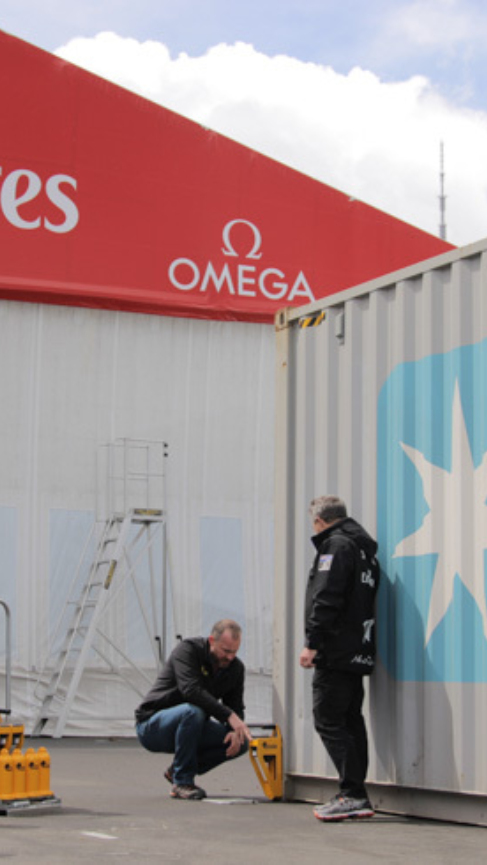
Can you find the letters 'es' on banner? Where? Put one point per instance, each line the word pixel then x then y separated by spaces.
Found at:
pixel 108 200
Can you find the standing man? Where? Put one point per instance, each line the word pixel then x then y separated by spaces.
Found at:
pixel 195 709
pixel 340 645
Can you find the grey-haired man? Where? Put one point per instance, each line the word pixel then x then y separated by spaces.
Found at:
pixel 340 646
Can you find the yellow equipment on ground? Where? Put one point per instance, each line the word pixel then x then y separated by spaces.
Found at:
pixel 11 735
pixel 266 757
pixel 24 778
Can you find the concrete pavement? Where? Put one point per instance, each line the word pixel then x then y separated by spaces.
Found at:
pixel 115 805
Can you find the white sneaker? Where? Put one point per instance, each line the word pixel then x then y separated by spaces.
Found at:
pixel 342 808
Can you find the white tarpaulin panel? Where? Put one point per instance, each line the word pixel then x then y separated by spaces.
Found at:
pixel 72 380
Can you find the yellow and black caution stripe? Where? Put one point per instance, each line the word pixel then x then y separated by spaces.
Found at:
pixel 312 320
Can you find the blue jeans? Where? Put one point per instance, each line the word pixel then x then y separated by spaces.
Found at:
pixel 195 740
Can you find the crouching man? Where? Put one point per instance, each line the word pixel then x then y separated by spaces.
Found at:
pixel 195 709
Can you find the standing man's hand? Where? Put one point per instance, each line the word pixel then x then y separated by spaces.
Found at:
pixel 307 658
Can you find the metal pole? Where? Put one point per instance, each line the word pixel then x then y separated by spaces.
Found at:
pixel 8 657
pixel 164 590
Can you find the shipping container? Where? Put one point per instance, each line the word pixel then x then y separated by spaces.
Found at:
pixel 382 399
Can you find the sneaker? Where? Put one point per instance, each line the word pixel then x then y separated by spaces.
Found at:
pixel 342 808
pixel 187 791
pixel 168 774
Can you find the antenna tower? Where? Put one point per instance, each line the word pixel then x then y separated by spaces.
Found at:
pixel 442 195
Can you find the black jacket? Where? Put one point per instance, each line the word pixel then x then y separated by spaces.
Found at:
pixel 340 598
pixel 188 676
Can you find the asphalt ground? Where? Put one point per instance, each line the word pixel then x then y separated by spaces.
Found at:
pixel 115 806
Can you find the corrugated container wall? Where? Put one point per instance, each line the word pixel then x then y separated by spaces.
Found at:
pixel 385 404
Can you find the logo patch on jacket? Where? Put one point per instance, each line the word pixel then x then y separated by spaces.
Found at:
pixel 367 626
pixel 325 562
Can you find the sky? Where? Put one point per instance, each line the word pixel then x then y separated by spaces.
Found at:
pixel 363 95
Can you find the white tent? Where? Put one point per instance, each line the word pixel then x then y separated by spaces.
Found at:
pixel 73 380
pixel 143 261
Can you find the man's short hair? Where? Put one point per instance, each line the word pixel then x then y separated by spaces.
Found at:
pixel 328 508
pixel 223 625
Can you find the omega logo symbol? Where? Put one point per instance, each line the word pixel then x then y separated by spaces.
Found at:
pixel 242 279
pixel 228 248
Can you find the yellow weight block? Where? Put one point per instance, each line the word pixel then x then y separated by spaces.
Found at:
pixel 44 773
pixel 6 775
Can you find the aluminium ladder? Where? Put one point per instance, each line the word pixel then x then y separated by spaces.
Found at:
pixel 111 567
pixel 58 695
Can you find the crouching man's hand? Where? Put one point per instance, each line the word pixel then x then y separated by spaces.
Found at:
pixel 239 734
pixel 233 744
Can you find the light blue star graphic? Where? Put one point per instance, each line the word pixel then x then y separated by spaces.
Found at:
pixel 432 517
pixel 456 525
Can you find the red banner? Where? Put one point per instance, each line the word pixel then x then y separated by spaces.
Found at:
pixel 108 200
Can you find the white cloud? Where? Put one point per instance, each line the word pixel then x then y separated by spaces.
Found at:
pixel 377 141
pixel 429 23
